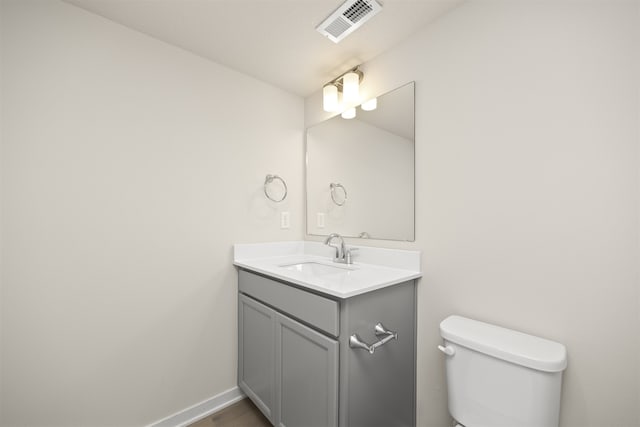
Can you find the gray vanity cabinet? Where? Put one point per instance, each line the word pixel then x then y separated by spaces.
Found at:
pixel 306 376
pixel 256 354
pixel 288 370
pixel 297 365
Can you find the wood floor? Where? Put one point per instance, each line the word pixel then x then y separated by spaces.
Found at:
pixel 241 414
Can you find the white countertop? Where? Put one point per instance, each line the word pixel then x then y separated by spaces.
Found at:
pixel 373 268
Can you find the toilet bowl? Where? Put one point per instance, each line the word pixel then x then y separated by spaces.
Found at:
pixel 498 377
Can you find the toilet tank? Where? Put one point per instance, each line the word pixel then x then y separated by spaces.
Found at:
pixel 497 377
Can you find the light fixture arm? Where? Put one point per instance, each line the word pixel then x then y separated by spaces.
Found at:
pixel 348 83
pixel 337 82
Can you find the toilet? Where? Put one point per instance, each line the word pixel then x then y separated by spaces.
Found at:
pixel 497 377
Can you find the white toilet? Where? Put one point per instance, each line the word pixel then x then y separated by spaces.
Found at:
pixel 497 377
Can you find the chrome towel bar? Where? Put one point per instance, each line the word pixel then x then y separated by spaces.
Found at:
pixel 356 342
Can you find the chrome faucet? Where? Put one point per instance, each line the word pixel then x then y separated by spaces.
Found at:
pixel 341 251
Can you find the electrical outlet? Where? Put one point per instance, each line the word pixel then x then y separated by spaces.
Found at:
pixel 285 220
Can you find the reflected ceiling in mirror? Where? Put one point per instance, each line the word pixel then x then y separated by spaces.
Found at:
pixel 360 172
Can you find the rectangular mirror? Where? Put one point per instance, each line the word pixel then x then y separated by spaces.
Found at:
pixel 360 172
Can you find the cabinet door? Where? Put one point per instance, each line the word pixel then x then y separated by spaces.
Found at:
pixel 306 376
pixel 256 353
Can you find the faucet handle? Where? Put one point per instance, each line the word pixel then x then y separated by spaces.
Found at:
pixel 349 255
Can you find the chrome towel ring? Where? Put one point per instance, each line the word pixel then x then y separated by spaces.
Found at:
pixel 333 187
pixel 268 180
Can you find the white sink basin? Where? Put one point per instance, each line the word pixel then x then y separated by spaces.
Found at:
pixel 316 268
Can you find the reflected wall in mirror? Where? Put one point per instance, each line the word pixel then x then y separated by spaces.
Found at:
pixel 360 172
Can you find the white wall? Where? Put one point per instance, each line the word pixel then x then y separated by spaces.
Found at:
pixel 129 168
pixel 527 187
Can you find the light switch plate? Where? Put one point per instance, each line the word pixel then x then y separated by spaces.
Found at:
pixel 320 220
pixel 285 220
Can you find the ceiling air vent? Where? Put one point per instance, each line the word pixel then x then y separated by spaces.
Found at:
pixel 347 18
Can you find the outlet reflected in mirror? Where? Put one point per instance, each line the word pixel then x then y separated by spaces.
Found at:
pixel 360 172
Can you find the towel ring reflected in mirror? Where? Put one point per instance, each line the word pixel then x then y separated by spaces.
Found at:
pixel 333 186
pixel 268 180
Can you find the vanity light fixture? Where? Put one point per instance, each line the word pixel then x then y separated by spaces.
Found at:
pixel 370 105
pixel 349 85
pixel 351 88
pixel 330 97
pixel 349 113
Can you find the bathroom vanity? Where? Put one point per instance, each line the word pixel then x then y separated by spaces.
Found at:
pixel 325 344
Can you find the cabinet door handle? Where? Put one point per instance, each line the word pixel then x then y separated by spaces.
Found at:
pixel 356 342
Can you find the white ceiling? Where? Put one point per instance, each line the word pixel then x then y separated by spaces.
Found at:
pixel 272 40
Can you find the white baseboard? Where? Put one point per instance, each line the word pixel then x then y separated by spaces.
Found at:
pixel 201 410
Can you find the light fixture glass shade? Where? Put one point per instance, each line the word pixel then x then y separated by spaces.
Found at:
pixel 349 113
pixel 330 98
pixel 351 88
pixel 370 105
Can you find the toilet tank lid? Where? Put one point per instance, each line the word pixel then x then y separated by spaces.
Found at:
pixel 506 344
